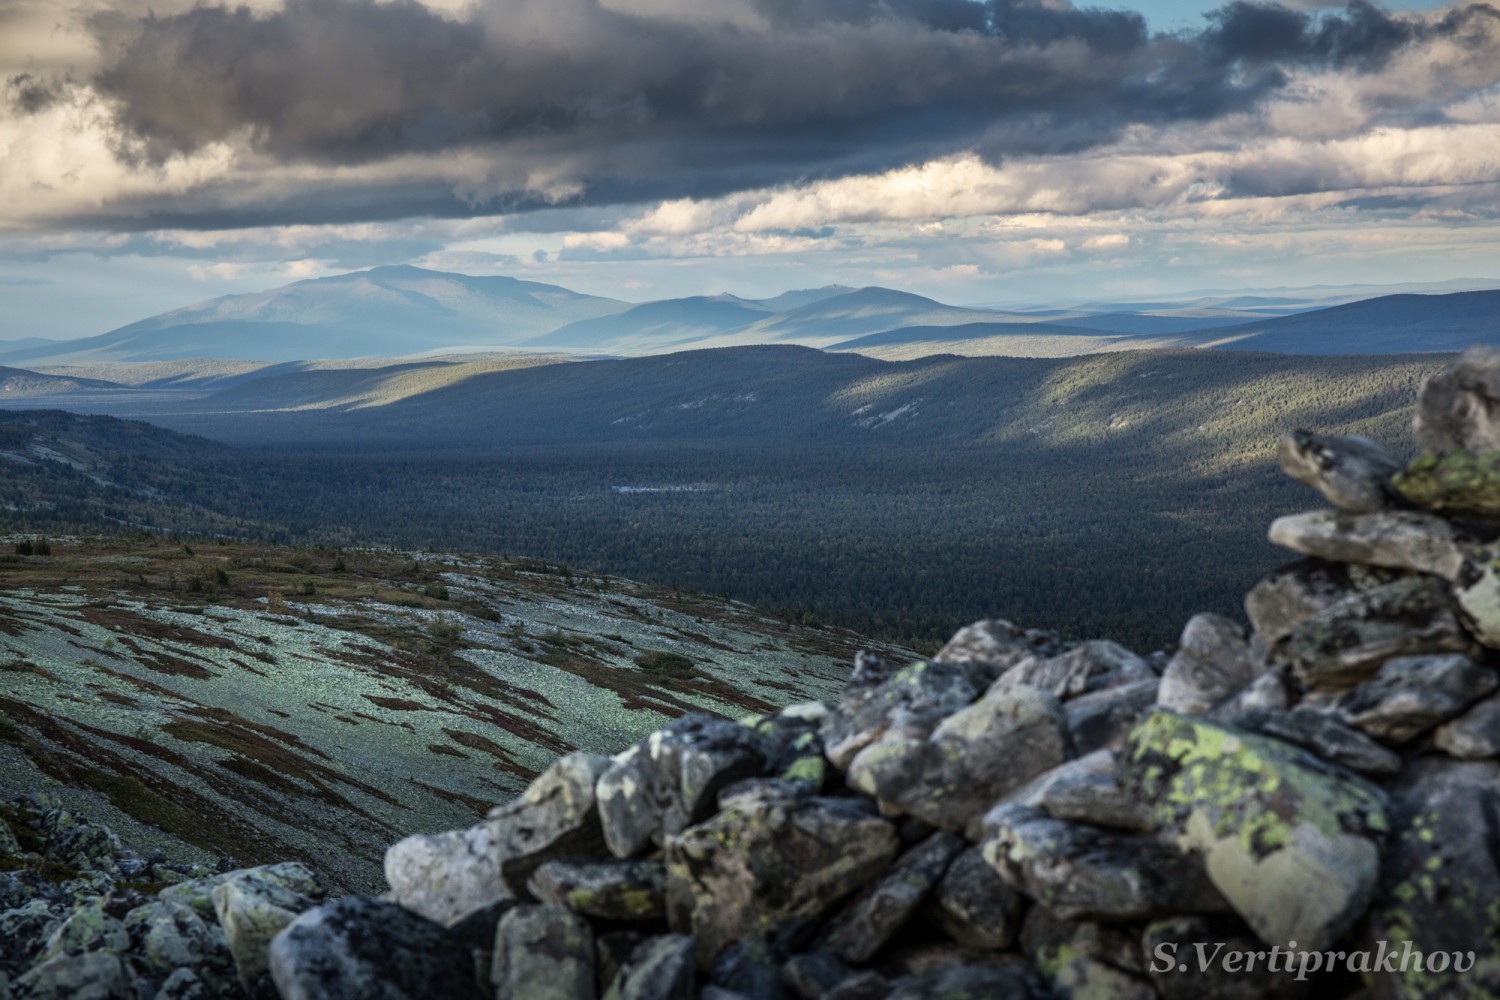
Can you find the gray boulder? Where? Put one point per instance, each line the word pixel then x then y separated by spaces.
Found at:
pixel 1458 408
pixel 1323 734
pixel 1354 473
pixel 672 779
pixel 993 646
pixel 1082 872
pixel 1412 694
pixel 558 815
pixel 1292 842
pixel 1212 663
pixel 607 890
pixel 1346 643
pixel 976 756
pixel 1194 958
pixel 1463 484
pixel 974 905
pixel 1089 666
pixel 1291 594
pixel 660 968
pixel 95 975
pixel 1473 735
pixel 907 704
pixel 363 949
pixel 1102 720
pixel 762 864
pixel 254 905
pixel 543 952
pixel 858 931
pixel 1086 790
pixel 446 876
pixel 167 935
pixel 1404 540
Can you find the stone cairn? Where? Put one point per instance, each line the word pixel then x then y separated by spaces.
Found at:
pixel 1309 810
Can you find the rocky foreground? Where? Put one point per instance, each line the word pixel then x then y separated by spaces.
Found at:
pixel 1309 809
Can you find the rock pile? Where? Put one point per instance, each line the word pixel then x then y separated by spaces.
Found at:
pixel 1309 808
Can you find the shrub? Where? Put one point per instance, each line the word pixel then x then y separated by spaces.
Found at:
pixel 664 664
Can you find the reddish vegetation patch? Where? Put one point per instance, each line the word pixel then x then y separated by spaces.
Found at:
pixel 518 726
pixel 118 699
pixel 479 806
pixel 445 749
pixel 503 757
pixel 397 704
pixel 165 663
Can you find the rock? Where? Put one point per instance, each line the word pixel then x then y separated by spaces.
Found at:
pixel 974 905
pixel 1443 881
pixel 1103 719
pixel 1326 736
pixel 973 758
pixel 1412 694
pixel 993 980
pixel 1211 664
pixel 607 890
pixel 544 952
pixel 363 949
pixel 1290 595
pixel 1459 407
pixel 1477 591
pixel 861 986
pixel 1346 643
pixel 1079 977
pixel 1085 790
pixel 760 865
pixel 748 968
pixel 995 645
pixel 858 932
pixel 255 904
pixel 88 928
pixel 1292 841
pixel 793 748
pixel 77 844
pixel 9 846
pixel 96 975
pixel 556 817
pixel 1044 935
pixel 446 876
pixel 1079 871
pixel 1463 484
pixel 1354 473
pixel 24 928
pixel 1090 666
pixel 1473 735
pixel 612 950
pixel 910 703
pixel 1270 692
pixel 661 968
pixel 814 974
pixel 672 779
pixel 1192 958
pixel 1395 539
pixel 169 935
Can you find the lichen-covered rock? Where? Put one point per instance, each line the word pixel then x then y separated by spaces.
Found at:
pixel 907 704
pixel 615 889
pixel 544 952
pixel 167 935
pixel 761 864
pixel 660 968
pixel 96 975
pixel 1440 897
pixel 446 876
pixel 1395 539
pixel 858 931
pixel 1458 408
pixel 814 974
pixel 1345 644
pixel 88 928
pixel 1043 934
pixel 77 843
pixel 671 779
pixel 1412 694
pixel 255 904
pixel 556 817
pixel 750 968
pixel 1463 484
pixel 1079 871
pixel 1102 720
pixel 1089 666
pixel 974 905
pixel 1211 664
pixel 1080 977
pixel 1323 734
pixel 1292 841
pixel 976 756
pixel 1291 594
pixel 995 645
pixel 1194 958
pixel 1354 473
pixel 1270 692
pixel 1477 592
pixel 996 979
pixel 793 746
pixel 1474 735
pixel 363 949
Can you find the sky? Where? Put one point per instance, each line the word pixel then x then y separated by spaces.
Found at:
pixel 155 153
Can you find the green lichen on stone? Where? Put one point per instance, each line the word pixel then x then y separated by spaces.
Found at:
pixel 1464 483
pixel 809 769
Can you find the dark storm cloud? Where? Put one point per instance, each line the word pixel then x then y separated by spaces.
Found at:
pixel 637 107
pixel 29 94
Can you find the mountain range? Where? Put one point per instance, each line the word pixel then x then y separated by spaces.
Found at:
pixel 403 311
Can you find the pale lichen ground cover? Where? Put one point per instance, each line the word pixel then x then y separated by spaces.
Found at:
pixel 322 727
